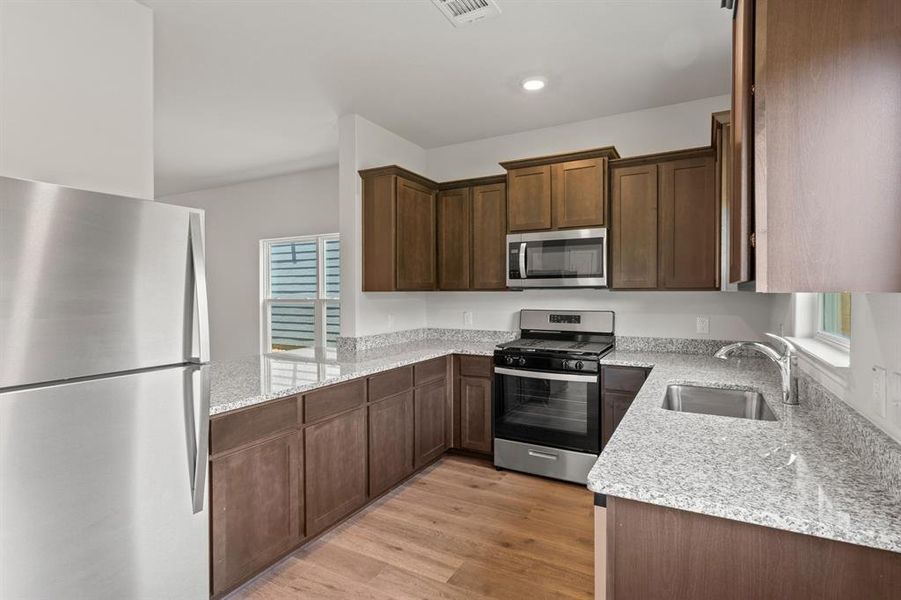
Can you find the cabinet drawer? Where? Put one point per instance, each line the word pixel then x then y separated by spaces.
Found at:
pixel 428 370
pixel 626 379
pixel 239 428
pixel 333 400
pixel 390 383
pixel 476 366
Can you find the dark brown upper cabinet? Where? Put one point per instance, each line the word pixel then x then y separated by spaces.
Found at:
pixel 665 221
pixel 558 192
pixel 399 231
pixel 689 224
pixel 633 227
pixel 529 198
pixel 472 231
pixel 489 235
pixel 415 244
pixel 578 193
pixel 421 235
pixel 454 238
pixel 819 90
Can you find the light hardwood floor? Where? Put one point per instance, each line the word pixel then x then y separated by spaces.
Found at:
pixel 458 530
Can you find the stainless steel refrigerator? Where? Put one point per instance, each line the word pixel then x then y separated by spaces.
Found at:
pixel 104 396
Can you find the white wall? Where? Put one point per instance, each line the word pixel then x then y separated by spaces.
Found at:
pixel 362 145
pixel 237 218
pixel 76 94
pixel 732 315
pixel 659 129
pixel 739 316
pixel 876 341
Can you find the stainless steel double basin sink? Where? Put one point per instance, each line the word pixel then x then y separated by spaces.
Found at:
pixel 743 404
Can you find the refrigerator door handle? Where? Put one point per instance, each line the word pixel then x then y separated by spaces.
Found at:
pixel 201 446
pixel 198 261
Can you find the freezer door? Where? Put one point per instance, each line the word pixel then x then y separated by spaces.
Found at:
pixel 91 283
pixel 97 498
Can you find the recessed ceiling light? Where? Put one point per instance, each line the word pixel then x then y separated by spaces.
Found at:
pixel 533 84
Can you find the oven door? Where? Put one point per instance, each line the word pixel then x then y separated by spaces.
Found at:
pixel 575 258
pixel 561 410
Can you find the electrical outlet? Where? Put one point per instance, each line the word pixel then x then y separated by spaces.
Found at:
pixel 702 325
pixel 879 395
pixel 390 322
pixel 467 318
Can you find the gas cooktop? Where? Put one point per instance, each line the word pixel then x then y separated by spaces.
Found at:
pixel 558 346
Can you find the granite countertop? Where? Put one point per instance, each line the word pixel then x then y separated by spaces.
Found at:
pixel 245 382
pixel 797 474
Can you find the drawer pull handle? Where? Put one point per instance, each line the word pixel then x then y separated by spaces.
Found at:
pixel 545 455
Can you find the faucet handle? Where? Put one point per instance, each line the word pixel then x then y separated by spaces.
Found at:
pixel 789 347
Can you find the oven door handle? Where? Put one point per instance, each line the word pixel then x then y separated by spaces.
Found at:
pixel 546 375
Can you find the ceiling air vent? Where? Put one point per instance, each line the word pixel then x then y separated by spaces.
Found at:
pixel 464 12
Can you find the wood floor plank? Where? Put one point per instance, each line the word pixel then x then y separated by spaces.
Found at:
pixel 458 530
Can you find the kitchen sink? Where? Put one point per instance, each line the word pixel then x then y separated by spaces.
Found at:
pixel 744 404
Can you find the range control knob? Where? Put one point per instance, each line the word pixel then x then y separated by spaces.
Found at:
pixel 578 365
pixel 521 362
pixel 509 360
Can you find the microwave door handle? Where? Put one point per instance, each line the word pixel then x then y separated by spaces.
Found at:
pixel 522 260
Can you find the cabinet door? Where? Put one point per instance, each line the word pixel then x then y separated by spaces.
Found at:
pixel 454 243
pixel 255 496
pixel 579 193
pixel 430 418
pixel 415 243
pixel 489 237
pixel 390 441
pixel 379 222
pixel 689 224
pixel 615 406
pixel 475 414
pixel 335 454
pixel 633 227
pixel 529 198
pixel 741 197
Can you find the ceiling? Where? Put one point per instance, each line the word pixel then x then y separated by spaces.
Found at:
pixel 251 88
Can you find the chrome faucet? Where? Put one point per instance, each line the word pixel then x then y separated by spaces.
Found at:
pixel 787 362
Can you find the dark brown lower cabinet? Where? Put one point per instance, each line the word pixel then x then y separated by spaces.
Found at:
pixel 659 553
pixel 256 499
pixel 619 386
pixel 390 441
pixel 335 454
pixel 430 421
pixel 284 471
pixel 475 414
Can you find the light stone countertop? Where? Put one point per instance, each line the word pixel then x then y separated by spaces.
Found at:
pixel 245 382
pixel 798 474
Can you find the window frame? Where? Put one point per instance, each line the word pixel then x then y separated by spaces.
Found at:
pixel 839 341
pixel 319 303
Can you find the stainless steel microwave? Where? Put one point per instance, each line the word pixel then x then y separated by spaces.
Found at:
pixel 568 258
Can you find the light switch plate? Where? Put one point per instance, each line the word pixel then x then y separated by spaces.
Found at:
pixel 879 392
pixel 390 322
pixel 702 325
pixel 467 318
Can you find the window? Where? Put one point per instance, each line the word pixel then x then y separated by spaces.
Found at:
pixel 833 324
pixel 300 286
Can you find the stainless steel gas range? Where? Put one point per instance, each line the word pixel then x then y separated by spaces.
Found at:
pixel 547 393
